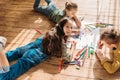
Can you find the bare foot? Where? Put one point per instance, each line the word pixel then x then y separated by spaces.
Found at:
pixel 43 3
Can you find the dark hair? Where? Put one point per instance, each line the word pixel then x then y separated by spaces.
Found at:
pixel 52 41
pixel 70 5
pixel 111 37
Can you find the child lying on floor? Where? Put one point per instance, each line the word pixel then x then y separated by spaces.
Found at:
pixel 55 14
pixel 51 44
pixel 110 39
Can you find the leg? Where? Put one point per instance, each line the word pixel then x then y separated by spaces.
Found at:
pixel 29 59
pixel 36 4
pixel 46 10
pixel 43 10
pixel 19 52
pixel 40 9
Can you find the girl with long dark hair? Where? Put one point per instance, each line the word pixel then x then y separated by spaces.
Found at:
pixel 50 44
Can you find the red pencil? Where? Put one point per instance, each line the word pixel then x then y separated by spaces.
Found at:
pixel 60 65
pixel 79 52
pixel 38 30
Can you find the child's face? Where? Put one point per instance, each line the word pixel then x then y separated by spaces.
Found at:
pixel 68 28
pixel 71 13
pixel 110 46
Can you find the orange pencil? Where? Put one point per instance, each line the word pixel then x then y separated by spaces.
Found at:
pixel 60 65
pixel 79 53
pixel 38 30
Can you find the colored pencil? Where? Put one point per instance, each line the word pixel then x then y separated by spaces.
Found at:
pixel 60 65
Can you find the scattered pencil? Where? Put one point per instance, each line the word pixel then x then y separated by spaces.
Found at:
pixel 78 68
pixel 38 30
pixel 60 65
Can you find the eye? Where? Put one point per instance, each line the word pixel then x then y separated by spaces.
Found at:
pixel 70 27
pixel 114 48
pixel 67 26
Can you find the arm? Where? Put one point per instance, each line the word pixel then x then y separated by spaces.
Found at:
pixel 77 21
pixel 72 49
pixel 68 55
pixel 110 67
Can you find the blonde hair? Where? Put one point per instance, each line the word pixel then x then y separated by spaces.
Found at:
pixel 70 5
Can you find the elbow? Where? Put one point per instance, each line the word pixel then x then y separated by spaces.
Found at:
pixel 111 71
pixel 79 25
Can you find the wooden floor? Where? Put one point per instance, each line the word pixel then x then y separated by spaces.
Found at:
pixel 17 23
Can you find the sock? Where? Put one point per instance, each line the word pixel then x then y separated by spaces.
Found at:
pixel 4 69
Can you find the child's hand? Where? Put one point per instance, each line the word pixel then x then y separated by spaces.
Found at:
pixel 73 44
pixel 99 54
pixel 100 45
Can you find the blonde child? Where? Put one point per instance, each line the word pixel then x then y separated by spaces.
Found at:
pixel 55 14
pixel 110 39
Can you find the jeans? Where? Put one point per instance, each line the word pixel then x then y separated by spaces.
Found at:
pixel 46 10
pixel 27 56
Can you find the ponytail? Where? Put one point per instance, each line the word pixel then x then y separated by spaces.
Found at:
pixel 70 5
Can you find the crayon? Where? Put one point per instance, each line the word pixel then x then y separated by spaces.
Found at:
pixel 60 65
pixel 38 30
